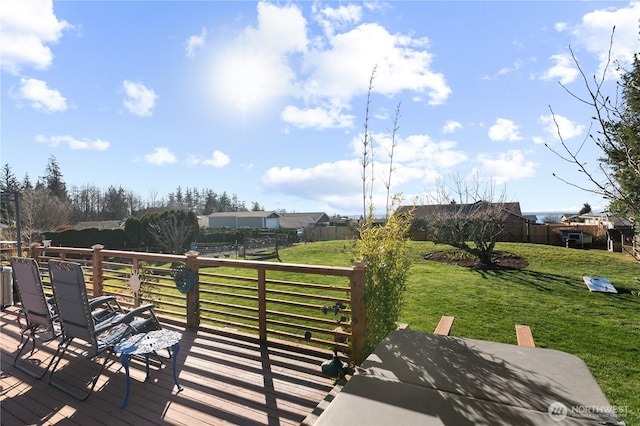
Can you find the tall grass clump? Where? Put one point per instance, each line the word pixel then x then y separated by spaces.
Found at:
pixel 383 247
pixel 384 250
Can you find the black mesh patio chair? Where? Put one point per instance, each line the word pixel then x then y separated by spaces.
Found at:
pixel 78 325
pixel 40 313
pixel 41 322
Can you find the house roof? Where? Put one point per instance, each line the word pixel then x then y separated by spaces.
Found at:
pixel 432 209
pixel 265 214
pixel 99 224
pixel 302 220
pixel 569 217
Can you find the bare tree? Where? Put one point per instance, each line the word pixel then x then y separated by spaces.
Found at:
pixel 41 211
pixel 469 217
pixel 153 195
pixel 173 229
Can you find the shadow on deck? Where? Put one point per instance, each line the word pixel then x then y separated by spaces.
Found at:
pixel 225 380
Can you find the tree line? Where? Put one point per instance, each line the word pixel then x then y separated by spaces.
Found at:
pixel 50 203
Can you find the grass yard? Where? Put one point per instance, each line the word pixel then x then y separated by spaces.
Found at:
pixel 549 296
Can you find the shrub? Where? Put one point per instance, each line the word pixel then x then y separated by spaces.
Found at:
pixel 384 250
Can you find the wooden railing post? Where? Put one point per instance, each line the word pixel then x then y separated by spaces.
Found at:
pixel 358 314
pixel 193 297
pixel 97 270
pixel 34 252
pixel 262 305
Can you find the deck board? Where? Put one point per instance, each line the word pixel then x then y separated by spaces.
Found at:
pixel 226 381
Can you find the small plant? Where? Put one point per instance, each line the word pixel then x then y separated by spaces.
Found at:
pixel 385 251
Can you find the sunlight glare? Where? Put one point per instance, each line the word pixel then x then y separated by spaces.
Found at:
pixel 247 81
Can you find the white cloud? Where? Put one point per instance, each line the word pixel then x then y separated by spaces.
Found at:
pixel 594 34
pixel 326 181
pixel 26 30
pixel 515 67
pixel 417 159
pixel 564 69
pixel 330 18
pixel 217 160
pixel 504 167
pixel 160 157
pixel 40 96
pixel 420 151
pixel 337 184
pixel 318 118
pixel 451 126
pixel 140 100
pixel 567 128
pixel 74 143
pixel 195 42
pixel 253 70
pixel 275 58
pixel 343 70
pixel 504 130
pixel 560 26
pixel 413 151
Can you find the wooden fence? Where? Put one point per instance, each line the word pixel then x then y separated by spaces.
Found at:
pixel 550 233
pixel 328 233
pixel 291 304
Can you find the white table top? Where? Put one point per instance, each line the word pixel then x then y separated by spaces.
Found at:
pixel 145 343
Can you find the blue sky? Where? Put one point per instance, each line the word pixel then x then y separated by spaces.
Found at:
pixel 267 99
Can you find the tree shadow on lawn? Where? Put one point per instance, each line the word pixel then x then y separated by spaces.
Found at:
pixel 511 268
pixel 541 281
pixel 507 267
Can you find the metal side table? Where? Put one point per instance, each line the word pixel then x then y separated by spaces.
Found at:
pixel 144 344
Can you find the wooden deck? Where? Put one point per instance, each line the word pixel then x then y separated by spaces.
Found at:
pixel 225 380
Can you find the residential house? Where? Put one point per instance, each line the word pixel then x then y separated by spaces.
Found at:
pixel 568 218
pixel 248 219
pixel 430 210
pixel 516 224
pixel 303 220
pixel 605 219
pixel 619 231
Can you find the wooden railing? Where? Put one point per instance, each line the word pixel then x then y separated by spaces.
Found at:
pixel 302 305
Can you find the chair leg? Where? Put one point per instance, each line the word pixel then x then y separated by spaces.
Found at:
pixel 21 347
pixel 94 380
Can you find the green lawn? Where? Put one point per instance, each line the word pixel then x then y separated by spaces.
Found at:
pixel 549 296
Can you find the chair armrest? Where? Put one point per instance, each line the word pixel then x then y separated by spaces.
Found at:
pixel 126 318
pixel 96 301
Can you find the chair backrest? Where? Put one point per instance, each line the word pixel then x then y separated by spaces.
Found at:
pixel 70 293
pixel 29 285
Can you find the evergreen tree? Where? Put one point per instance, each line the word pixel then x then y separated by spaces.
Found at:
pixel 621 144
pixel 26 183
pixel 210 202
pixel 53 180
pixel 586 208
pixel 8 183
